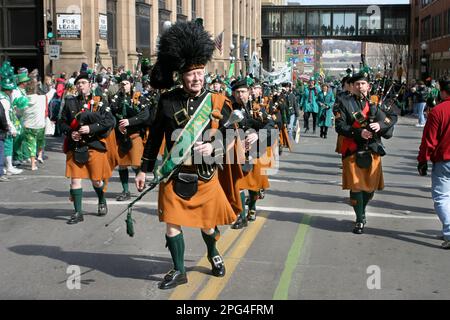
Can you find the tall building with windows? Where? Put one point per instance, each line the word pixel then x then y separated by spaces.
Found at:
pixel 124 28
pixel 430 39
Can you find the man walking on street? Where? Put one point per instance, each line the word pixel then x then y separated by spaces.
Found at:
pixel 435 146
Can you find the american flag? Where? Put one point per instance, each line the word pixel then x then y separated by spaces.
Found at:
pixel 219 42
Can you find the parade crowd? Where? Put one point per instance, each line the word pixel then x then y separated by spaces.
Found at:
pixel 150 121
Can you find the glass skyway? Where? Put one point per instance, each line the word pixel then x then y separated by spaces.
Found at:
pixel 370 23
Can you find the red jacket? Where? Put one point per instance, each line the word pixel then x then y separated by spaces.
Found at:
pixel 435 144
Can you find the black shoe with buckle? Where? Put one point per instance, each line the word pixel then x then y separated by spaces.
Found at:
pixel 240 223
pixel 359 228
pixel 172 279
pixel 102 209
pixel 124 196
pixel 75 218
pixel 217 265
pixel 251 216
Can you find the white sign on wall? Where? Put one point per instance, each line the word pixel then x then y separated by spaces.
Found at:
pixel 54 52
pixel 103 26
pixel 68 25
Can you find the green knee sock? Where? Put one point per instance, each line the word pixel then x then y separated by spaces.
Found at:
pixel 358 205
pixel 176 248
pixel 210 241
pixel 243 216
pixel 100 194
pixel 77 196
pixel 367 196
pixel 123 173
pixel 252 198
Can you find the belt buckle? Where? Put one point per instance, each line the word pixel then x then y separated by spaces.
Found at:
pixel 181 117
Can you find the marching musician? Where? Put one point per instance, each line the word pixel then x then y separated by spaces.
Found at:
pixel 86 120
pixel 363 124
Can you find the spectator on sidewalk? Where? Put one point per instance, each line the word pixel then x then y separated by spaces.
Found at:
pixel 34 122
pixel 3 133
pixel 435 146
pixel 420 98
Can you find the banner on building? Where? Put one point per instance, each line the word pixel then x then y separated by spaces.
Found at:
pixel 103 26
pixel 68 26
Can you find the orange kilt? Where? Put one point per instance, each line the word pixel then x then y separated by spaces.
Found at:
pixel 111 146
pixel 208 208
pixel 339 141
pixel 96 169
pixel 134 156
pixel 255 180
pixel 356 178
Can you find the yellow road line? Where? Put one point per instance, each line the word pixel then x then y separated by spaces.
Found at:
pixel 196 278
pixel 215 285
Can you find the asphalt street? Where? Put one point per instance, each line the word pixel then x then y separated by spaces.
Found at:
pixel 300 246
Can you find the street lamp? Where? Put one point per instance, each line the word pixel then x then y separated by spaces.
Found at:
pixel 232 58
pixel 424 61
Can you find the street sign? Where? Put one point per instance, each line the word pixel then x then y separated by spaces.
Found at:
pixel 54 52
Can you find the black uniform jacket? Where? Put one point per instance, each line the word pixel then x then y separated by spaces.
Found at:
pixel 100 122
pixel 171 103
pixel 263 122
pixel 347 106
pixel 122 108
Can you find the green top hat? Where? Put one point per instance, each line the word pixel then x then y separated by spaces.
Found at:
pixel 23 77
pixel 7 84
pixel 7 76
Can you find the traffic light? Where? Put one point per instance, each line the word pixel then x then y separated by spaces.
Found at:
pixel 50 34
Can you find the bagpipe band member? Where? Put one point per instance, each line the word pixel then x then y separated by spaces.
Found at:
pixel 192 196
pixel 86 120
pixel 253 180
pixel 362 124
pixel 131 110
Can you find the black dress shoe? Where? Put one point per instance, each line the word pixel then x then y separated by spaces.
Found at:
pixel 102 209
pixel 359 228
pixel 75 218
pixel 217 265
pixel 240 223
pixel 124 196
pixel 251 216
pixel 172 279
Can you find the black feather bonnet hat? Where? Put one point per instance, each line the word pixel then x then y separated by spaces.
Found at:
pixel 183 47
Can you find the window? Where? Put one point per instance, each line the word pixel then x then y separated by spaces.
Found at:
pixel 447 22
pixel 143 29
pixel 325 24
pixel 425 29
pixel 179 6
pixel 112 29
pixel 162 4
pixel 436 25
pixel 416 27
pixel 193 9
pixel 313 23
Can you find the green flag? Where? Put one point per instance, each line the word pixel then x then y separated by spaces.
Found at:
pixel 231 71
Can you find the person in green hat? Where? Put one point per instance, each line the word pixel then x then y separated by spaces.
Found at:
pixel 20 101
pixel 309 104
pixel 7 85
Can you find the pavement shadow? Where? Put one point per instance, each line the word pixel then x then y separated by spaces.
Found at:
pixel 53 214
pixel 313 197
pixel 141 267
pixel 334 225
pixel 308 171
pixel 54 144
